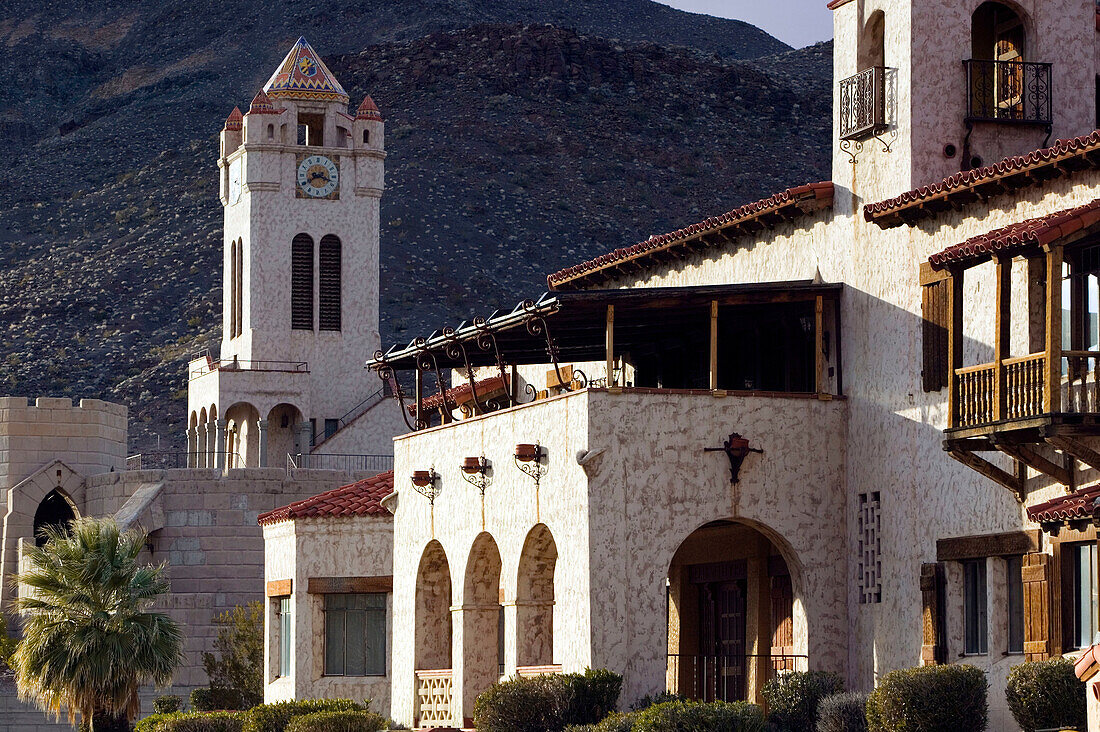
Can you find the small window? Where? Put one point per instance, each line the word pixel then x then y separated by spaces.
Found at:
pixel 302 134
pixel 301 283
pixel 1084 595
pixel 271 132
pixel 1014 584
pixel 975 606
pixel 285 636
pixel 366 133
pixel 331 426
pixel 355 634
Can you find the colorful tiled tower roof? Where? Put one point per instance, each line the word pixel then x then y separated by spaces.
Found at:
pixel 261 104
pixel 234 120
pixel 303 75
pixel 368 110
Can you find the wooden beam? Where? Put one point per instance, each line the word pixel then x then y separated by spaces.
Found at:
pixel 991 471
pixel 1076 449
pixel 819 346
pixel 714 345
pixel 1034 460
pixel 1001 336
pixel 1052 379
pixel 954 342
pixel 988 545
pixel 610 345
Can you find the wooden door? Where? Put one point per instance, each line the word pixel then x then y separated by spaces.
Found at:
pixel 723 641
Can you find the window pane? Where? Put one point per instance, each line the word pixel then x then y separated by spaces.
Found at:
pixel 975 601
pixel 1015 585
pixel 374 640
pixel 285 636
pixel 1084 595
pixel 355 660
pixel 334 642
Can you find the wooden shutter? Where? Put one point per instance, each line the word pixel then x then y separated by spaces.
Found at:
pixel 1035 572
pixel 934 313
pixel 782 601
pixel 933 644
pixel 301 283
pixel 329 287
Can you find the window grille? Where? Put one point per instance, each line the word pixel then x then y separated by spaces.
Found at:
pixel 301 283
pixel 870 563
pixel 329 295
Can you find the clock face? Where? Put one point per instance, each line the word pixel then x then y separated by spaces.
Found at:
pixel 235 181
pixel 318 176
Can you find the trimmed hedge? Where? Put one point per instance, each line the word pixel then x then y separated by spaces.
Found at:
pixel 153 722
pixel 547 703
pixel 1046 695
pixel 275 717
pixel 338 722
pixel 842 713
pixel 930 699
pixel 792 698
pixel 615 722
pixel 684 716
pixel 194 722
pixel 167 703
pixel 215 700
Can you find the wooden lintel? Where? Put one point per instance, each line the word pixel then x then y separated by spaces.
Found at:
pixel 1075 448
pixel 991 471
pixel 1035 461
pixel 988 545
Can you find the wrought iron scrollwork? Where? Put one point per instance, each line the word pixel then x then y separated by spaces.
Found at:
pixel 426 361
pixel 455 349
pixel 487 341
pixel 536 326
pixel 386 374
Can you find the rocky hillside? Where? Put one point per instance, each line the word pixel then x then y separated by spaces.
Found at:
pixel 513 151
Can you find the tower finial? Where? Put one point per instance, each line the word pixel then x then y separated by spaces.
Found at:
pixel 368 110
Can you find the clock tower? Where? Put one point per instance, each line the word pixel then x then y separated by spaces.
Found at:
pixel 301 183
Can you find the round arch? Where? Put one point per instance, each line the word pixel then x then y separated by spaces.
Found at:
pixel 55 510
pixel 535 598
pixel 482 619
pixel 201 446
pixel 432 634
pixel 284 433
pixel 245 447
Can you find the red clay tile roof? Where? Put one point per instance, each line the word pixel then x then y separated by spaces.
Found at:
pixel 458 393
pixel 362 498
pixel 1073 507
pixel 261 104
pixel 235 119
pixel 1013 238
pixel 765 213
pixel 368 110
pixel 1065 156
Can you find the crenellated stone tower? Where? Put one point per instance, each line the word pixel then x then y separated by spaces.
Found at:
pixel 301 183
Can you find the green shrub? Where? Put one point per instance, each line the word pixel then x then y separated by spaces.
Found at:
pixel 155 722
pixel 683 716
pixel 7 644
pixel 202 722
pixel 842 713
pixel 1046 695
pixel 237 669
pixel 275 717
pixel 338 722
pixel 548 702
pixel 930 699
pixel 215 700
pixel 659 698
pixel 615 722
pixel 167 703
pixel 792 698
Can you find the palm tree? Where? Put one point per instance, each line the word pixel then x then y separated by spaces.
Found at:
pixel 89 638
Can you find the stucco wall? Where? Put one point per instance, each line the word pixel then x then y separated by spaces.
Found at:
pixel 322 547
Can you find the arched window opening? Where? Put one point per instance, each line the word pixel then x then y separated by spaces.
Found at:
pixel 329 295
pixel 54 511
pixel 872 42
pixel 301 283
pixel 271 132
pixel 232 332
pixel 238 285
pixel 997 70
pixel 366 137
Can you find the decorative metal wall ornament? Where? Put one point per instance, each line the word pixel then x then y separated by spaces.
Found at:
pixel 476 471
pixel 385 372
pixel 529 459
pixel 455 349
pixel 486 341
pixel 737 449
pixel 536 326
pixel 426 361
pixel 426 483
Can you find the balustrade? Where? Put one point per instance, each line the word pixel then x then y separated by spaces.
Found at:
pixel 433 697
pixel 1018 385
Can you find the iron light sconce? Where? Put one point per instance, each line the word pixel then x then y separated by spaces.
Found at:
pixel 529 459
pixel 475 471
pixel 426 483
pixel 737 449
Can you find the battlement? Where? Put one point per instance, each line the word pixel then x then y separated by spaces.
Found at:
pixel 89 436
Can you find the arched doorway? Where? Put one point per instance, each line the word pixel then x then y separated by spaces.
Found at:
pixel 246 438
pixel 55 510
pixel 284 434
pixel 482 621
pixel 432 638
pixel 200 456
pixel 535 599
pixel 999 50
pixel 212 446
pixel 732 613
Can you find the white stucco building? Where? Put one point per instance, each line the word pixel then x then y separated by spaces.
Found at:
pixel 727 451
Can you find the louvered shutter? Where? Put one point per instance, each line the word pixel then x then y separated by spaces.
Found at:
pixel 933 650
pixel 934 314
pixel 1035 573
pixel 329 290
pixel 301 283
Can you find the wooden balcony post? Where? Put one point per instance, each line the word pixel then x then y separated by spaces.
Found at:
pixel 819 346
pixel 954 342
pixel 1052 378
pixel 714 345
pixel 1003 322
pixel 610 345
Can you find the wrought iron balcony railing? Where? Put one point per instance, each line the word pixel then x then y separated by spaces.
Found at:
pixel 863 104
pixel 1013 92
